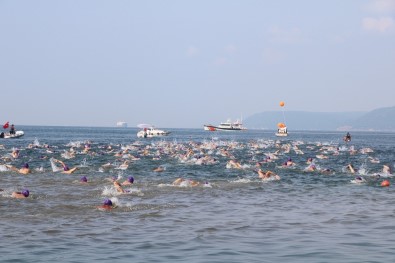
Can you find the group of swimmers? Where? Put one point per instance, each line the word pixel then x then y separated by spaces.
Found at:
pixel 232 155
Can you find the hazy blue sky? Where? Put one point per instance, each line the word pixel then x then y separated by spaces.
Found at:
pixel 186 63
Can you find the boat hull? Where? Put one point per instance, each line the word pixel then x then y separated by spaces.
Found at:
pixel 282 132
pixel 209 128
pixel 18 134
pixel 152 133
pixel 224 128
pixel 229 129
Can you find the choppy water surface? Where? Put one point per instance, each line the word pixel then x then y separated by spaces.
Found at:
pixel 232 216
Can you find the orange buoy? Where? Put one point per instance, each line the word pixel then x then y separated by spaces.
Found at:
pixel 282 103
pixel 385 183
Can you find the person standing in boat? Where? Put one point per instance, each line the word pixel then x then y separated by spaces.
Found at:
pixel 347 138
pixel 12 129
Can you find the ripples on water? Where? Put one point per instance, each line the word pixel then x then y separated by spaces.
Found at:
pixel 304 217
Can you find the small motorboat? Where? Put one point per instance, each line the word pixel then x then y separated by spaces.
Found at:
pixel 15 135
pixel 282 130
pixel 282 127
pixel 209 127
pixel 150 131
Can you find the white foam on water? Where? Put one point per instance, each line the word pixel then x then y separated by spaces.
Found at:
pixel 242 180
pixel 54 167
pixel 3 168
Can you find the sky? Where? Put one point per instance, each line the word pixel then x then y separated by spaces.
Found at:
pixel 183 64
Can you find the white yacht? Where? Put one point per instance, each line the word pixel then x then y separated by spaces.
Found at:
pixel 122 124
pixel 149 131
pixel 226 126
pixel 282 131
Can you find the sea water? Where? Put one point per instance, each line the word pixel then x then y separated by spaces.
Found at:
pixel 232 216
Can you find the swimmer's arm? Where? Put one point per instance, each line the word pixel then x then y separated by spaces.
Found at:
pixel 12 168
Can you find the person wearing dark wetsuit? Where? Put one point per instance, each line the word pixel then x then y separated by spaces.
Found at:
pixel 12 129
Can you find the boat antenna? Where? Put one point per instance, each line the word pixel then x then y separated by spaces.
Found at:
pixel 282 104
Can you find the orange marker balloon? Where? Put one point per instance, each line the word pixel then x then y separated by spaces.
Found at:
pixel 385 183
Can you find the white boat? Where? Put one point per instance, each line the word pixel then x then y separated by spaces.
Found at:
pixel 7 135
pixel 149 131
pixel 282 132
pixel 122 124
pixel 282 127
pixel 226 126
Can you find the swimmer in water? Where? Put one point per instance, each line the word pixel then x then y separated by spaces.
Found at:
pixel 234 164
pixel 107 205
pixel 311 168
pixel 358 180
pixel 15 154
pixel 187 182
pixel 289 163
pixel 351 168
pixel 24 170
pixel 207 184
pixel 118 187
pixel 84 180
pixel 128 181
pixel 159 169
pixel 66 169
pixel 124 165
pixel 20 195
pixel 87 147
pixel 387 170
pixel 268 174
pixel 326 171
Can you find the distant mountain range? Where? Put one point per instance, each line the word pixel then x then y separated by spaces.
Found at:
pixel 382 119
